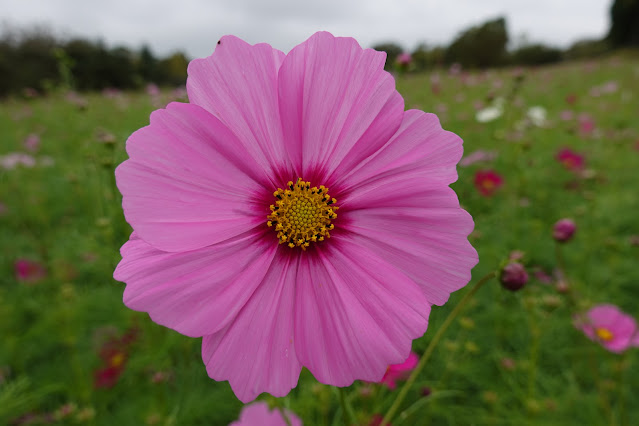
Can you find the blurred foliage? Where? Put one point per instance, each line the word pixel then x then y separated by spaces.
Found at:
pixel 536 54
pixel 584 49
pixel 47 61
pixel 624 28
pixel 481 46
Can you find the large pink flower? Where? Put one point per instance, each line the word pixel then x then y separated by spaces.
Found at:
pixel 266 152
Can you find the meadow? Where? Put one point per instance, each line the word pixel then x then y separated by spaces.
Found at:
pixel 72 353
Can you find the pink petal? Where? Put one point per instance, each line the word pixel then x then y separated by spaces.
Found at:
pixel 256 352
pixel 196 292
pixel 419 149
pixel 355 313
pixel 604 315
pixel 258 414
pixel 238 84
pixel 186 184
pixel 400 207
pixel 337 103
pixel 408 365
pixel 420 230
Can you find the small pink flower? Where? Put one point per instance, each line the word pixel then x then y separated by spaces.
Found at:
pixel 152 90
pixel 571 160
pixel 567 115
pixel 488 182
pixel 477 157
pixel 608 325
pixel 258 414
pixel 15 159
pixel 564 230
pixel 29 271
pixel 404 58
pixel 32 142
pixel 586 124
pixel 111 92
pixel 400 371
pixel 213 190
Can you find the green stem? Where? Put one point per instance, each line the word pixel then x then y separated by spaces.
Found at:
pixel 347 411
pixel 431 347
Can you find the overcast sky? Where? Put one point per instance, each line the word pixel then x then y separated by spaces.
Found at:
pixel 194 26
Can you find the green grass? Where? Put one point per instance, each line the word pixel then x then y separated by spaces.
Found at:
pixel 68 216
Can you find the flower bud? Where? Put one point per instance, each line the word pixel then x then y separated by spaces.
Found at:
pixel 513 276
pixel 563 230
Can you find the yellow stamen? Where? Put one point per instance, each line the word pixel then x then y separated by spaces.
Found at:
pixel 117 359
pixel 604 334
pixel 302 214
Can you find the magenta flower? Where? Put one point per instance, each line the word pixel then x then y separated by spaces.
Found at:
pixel 563 230
pixel 571 160
pixel 29 271
pixel 293 214
pixel 258 413
pixel 610 326
pixel 404 59
pixel 400 371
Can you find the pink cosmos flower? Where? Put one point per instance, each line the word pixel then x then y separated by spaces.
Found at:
pixel 29 271
pixel 571 160
pixel 488 182
pixel 237 240
pixel 32 142
pixel 477 157
pixel 404 59
pixel 586 124
pixel 400 371
pixel 610 326
pixel 258 413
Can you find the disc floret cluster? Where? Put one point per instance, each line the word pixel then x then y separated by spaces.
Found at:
pixel 302 214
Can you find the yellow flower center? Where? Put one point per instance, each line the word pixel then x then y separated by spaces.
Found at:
pixel 604 334
pixel 117 360
pixel 302 214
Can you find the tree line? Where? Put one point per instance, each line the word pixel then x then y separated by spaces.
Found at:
pixel 37 59
pixel 486 45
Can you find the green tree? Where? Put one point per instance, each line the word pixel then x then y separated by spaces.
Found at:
pixel 480 46
pixel 624 28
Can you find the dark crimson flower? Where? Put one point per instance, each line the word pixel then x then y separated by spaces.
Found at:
pixel 513 276
pixel 106 378
pixel 487 182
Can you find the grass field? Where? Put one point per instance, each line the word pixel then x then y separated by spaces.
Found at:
pixel 512 358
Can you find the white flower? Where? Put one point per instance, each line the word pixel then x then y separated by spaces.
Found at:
pixel 537 115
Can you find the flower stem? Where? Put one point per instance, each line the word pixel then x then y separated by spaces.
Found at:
pixel 431 347
pixel 347 411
